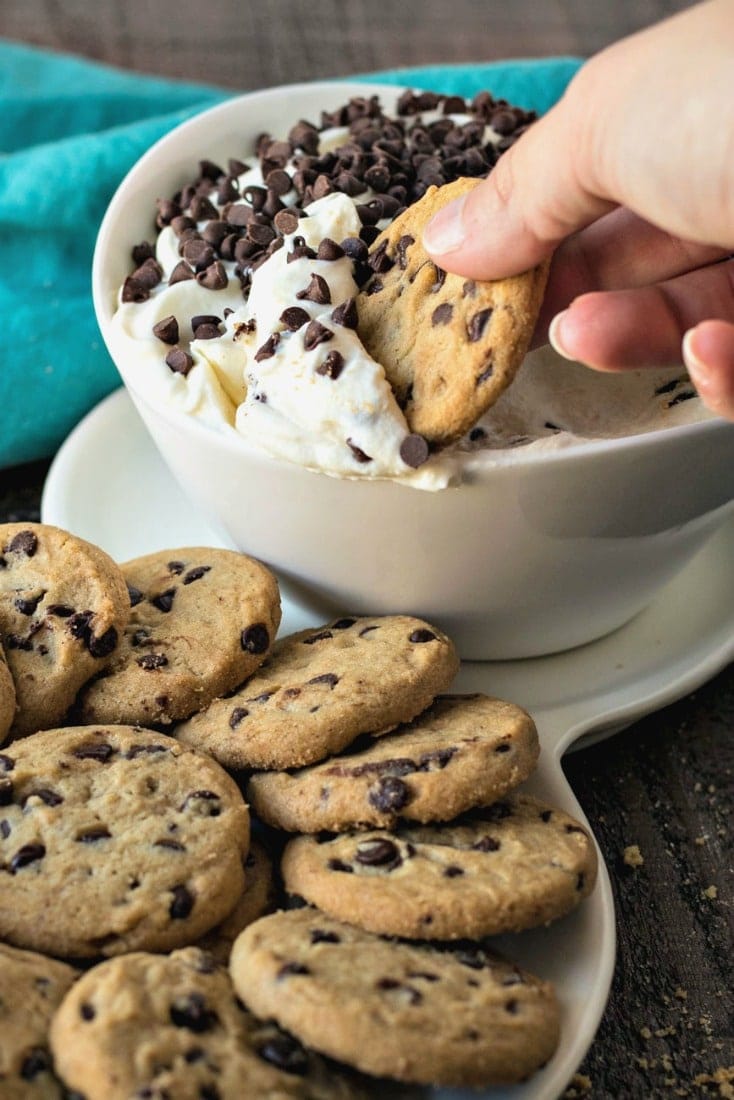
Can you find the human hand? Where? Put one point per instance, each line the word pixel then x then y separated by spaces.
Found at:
pixel 630 179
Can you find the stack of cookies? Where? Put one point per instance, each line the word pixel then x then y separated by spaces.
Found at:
pixel 139 701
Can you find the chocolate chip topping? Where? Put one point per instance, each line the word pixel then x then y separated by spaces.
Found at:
pixel 332 365
pixel 345 314
pixel 179 361
pixel 414 450
pixel 167 330
pixel 389 794
pixel 316 291
pixel 361 456
pixel 268 349
pixel 286 1053
pixel 378 852
pixel 294 317
pixel 316 334
pixel 255 638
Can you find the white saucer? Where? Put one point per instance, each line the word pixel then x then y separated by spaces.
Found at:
pixel 109 485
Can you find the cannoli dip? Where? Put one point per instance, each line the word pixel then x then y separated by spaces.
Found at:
pixel 243 311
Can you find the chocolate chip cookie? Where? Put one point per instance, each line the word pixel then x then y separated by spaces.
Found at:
pixel 63 607
pixel 257 899
pixel 321 688
pixel 31 989
pixel 171 1027
pixel 514 865
pixel 464 751
pixel 449 345
pixel 114 839
pixel 415 1013
pixel 202 621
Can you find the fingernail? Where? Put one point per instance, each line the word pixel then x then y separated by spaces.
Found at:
pixel 699 371
pixel 445 231
pixel 555 335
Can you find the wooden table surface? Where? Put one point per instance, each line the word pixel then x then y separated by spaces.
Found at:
pixel 664 785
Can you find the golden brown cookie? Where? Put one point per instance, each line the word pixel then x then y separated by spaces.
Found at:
pixel 321 688
pixel 517 864
pixel 31 989
pixel 171 1028
pixel 202 621
pixel 63 607
pixel 114 839
pixel 449 345
pixel 463 751
pixel 408 1011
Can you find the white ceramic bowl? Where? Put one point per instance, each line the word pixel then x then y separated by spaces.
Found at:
pixel 536 553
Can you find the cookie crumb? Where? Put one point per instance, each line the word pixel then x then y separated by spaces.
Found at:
pixel 723 1077
pixel 711 892
pixel 633 856
pixel 579 1085
pixel 701 840
pixel 645 1033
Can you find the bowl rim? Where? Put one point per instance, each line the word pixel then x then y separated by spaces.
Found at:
pixel 509 459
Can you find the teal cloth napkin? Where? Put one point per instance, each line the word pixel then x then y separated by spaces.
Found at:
pixel 69 131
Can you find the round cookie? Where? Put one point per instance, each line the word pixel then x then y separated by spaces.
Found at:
pixel 257 899
pixel 63 607
pixel 514 865
pixel 415 1013
pixel 115 839
pixel 449 345
pixel 202 621
pixel 31 989
pixel 321 688
pixel 464 751
pixel 171 1027
pixel 7 698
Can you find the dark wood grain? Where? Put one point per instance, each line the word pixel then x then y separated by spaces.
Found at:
pixel 252 45
pixel 665 785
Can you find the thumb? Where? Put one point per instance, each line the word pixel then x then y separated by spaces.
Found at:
pixel 708 352
pixel 539 191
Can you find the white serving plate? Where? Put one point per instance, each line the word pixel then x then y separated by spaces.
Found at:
pixel 109 485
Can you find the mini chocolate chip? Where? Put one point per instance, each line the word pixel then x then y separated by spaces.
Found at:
pixel 511 1007
pixel 100 751
pixel 421 635
pixel 182 904
pixel 236 717
pixel 380 261
pixel 329 250
pixel 168 842
pixel 414 450
pixel 195 574
pixel 267 350
pixel 25 542
pixel 329 678
pixel 205 803
pixel 486 373
pixel 294 317
pixel 6 791
pixel 36 1061
pixel 150 661
pixel 360 455
pixel 389 794
pixel 442 314
pixel 95 833
pixel 332 365
pixel 167 330
pixel 574 829
pixel 402 247
pixel 343 624
pixel 29 853
pixel 545 815
pixel 504 747
pixel 179 361
pixel 193 1013
pixel 339 865
pixel 345 314
pixel 180 274
pixel 255 638
pixel 320 935
pixel 286 1053
pixel 320 636
pixel 214 277
pixel 6 762
pixel 286 222
pixel 292 968
pixel 5 829
pixel 134 593
pixel 87 1011
pixel 144 750
pixel 28 606
pixel 316 334
pixel 580 880
pixel 486 844
pixel 378 852
pixel 477 324
pixel 452 871
pixel 164 600
pixel 316 291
